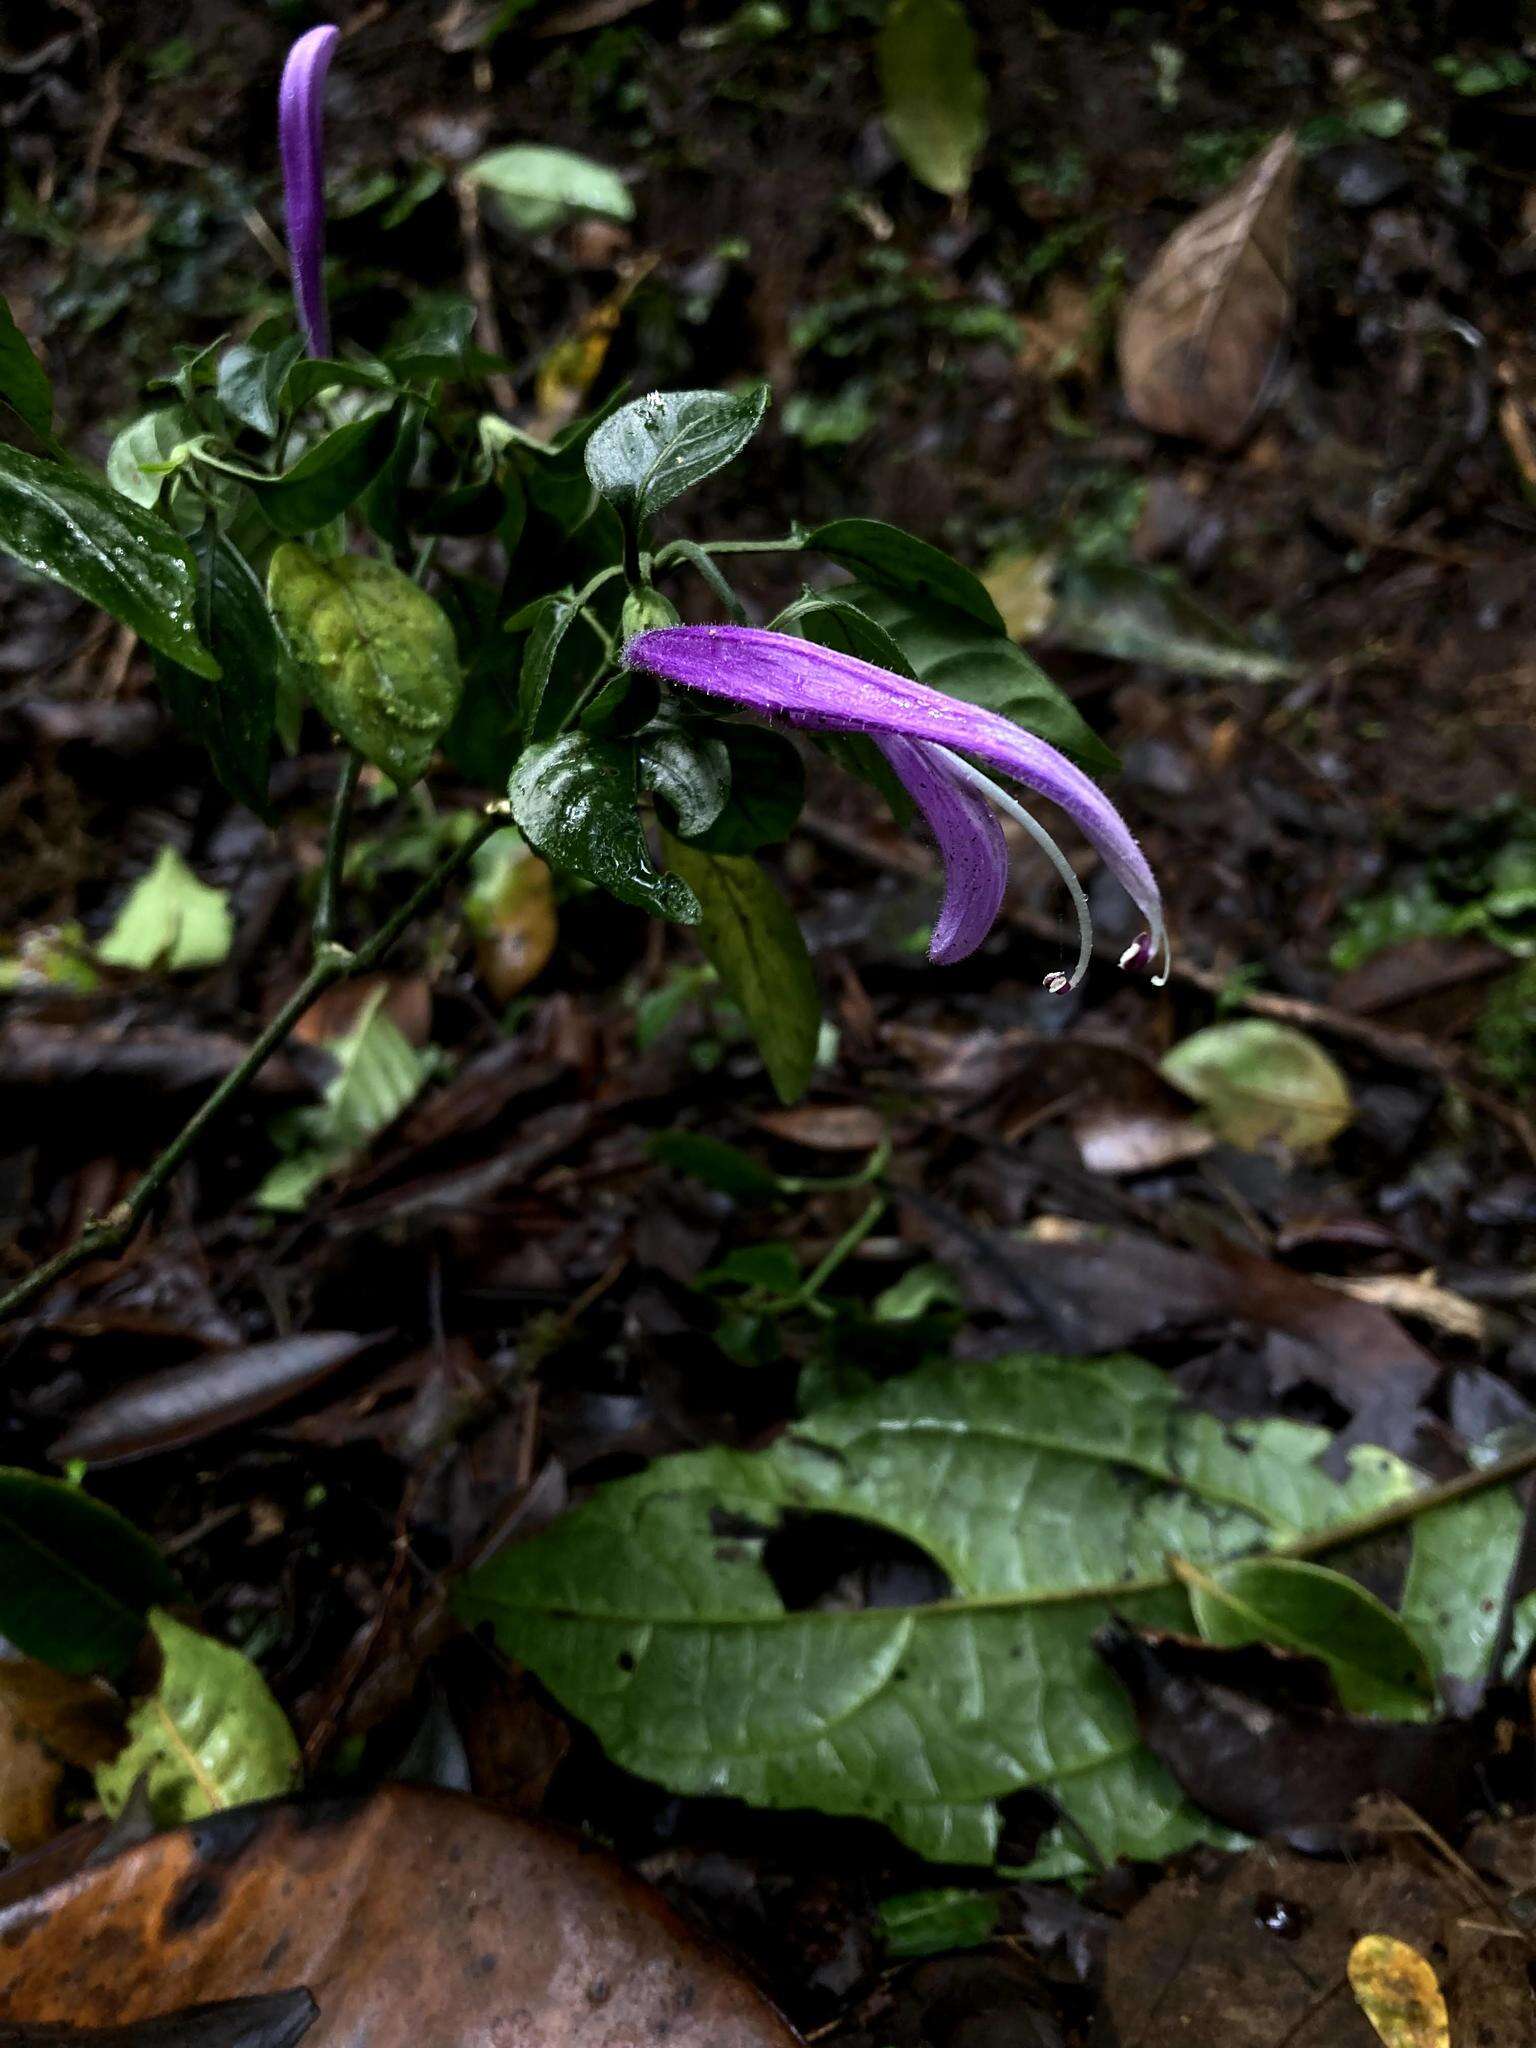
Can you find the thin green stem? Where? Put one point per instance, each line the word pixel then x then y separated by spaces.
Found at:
pixel 109 1234
pixel 674 551
pixel 805 1295
pixel 327 901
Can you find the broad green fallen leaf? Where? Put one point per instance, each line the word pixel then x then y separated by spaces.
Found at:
pixel 169 920
pixel 1051 1492
pixel 1261 1084
pixel 210 1735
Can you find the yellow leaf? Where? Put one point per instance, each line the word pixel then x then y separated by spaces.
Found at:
pixel 1398 1992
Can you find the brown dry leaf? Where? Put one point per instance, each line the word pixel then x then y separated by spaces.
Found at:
pixel 1200 332
pixel 1397 1990
pixel 412 1915
pixel 1065 337
pixel 825 1126
pixel 572 366
pixel 1020 585
pixel 47 1721
pixel 407 1005
pixel 511 911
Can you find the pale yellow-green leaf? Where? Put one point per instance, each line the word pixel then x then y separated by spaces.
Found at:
pixel 935 95
pixel 1262 1084
pixel 209 1736
pixel 375 652
pixel 170 920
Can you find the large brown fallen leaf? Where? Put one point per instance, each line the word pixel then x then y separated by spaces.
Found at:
pixel 413 1916
pixel 1200 332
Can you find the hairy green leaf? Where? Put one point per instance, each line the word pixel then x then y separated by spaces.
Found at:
pixel 376 654
pixel 1050 1492
pixel 76 529
pixel 209 1736
pixel 655 448
pixel 76 1579
pixel 574 798
pixel 748 934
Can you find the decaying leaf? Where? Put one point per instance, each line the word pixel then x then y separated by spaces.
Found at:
pixel 48 1720
pixel 1200 332
pixel 510 908
pixel 1397 1990
pixel 413 1916
pixel 273 2019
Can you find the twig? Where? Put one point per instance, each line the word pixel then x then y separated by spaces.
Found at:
pixel 110 1234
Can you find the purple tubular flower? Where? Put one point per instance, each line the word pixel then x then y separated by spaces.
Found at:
pixel 301 126
pixel 821 690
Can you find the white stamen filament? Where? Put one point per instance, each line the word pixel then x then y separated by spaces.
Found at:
pixel 1057 983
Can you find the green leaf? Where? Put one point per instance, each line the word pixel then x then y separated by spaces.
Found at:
pixel 330 476
pixel 147 451
pixel 376 653
pixel 1377 1666
pixel 932 1923
pixel 717 1164
pixel 689 769
pixel 935 95
pixel 234 716
pixel 655 448
pixel 955 654
pixel 767 791
pixel 252 375
pixel 1262 1083
pixel 379 1074
pixel 76 1579
pixel 906 566
pixel 169 920
pixel 209 1736
pixel 77 530
pixel 1049 1492
pixel 539 187
pixel 1458 1569
pixel 547 622
pixel 1137 614
pixel 24 382
pixel 748 934
pixel 574 798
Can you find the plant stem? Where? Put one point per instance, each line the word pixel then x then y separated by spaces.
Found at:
pixel 324 928
pixel 805 1295
pixel 791 544
pixel 332 963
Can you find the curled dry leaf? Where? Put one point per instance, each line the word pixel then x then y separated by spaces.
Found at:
pixel 1200 332
pixel 413 1916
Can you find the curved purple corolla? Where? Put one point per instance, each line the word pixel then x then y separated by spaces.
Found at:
pixel 925 735
pixel 301 128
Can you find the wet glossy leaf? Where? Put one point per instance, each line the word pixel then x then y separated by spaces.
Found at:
pixel 1262 1083
pixel 76 529
pixel 234 714
pixel 331 476
pixel 767 791
pixel 690 770
pixel 749 935
pixel 678 1651
pixel 413 1916
pixel 24 382
pixel 538 187
pixel 575 799
pixel 547 622
pixel 934 1922
pixel 1458 1571
pixel 1375 1663
pixel 76 1579
pixel 209 1736
pixel 376 654
pixel 1397 1990
pixel 1200 333
pixel 907 567
pixel 655 448
pixel 935 95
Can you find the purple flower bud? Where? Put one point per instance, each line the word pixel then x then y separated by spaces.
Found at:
pixel 301 127
pixel 823 690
